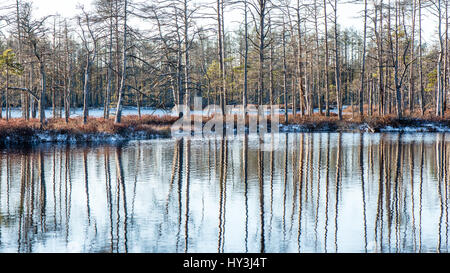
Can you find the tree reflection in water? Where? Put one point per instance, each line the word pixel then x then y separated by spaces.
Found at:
pixel 316 192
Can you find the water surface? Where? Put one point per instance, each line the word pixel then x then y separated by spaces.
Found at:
pixel 320 192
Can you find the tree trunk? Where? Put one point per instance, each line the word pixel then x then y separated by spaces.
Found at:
pixel 245 97
pixel 445 76
pixel 109 75
pixel 7 93
pixel 337 66
pixel 41 102
pixel 124 68
pixel 187 99
pixel 54 77
pixel 220 55
pixel 363 63
pixel 68 77
pixel 87 74
pixel 439 94
pixel 327 60
pixel 398 84
pixel 271 77
pixel 262 14
pixel 422 95
pixel 316 27
pixel 411 71
pixel 286 114
pixel 379 39
pixel 299 61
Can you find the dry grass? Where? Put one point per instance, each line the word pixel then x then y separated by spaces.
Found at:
pixel 22 130
pixel 75 127
pixel 18 127
pixel 430 112
pixel 319 122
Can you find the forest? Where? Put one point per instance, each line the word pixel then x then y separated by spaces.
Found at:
pixel 291 53
pixel 95 156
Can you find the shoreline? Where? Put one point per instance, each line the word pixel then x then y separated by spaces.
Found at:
pixel 18 132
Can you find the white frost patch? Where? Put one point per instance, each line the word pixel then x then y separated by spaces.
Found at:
pixel 61 138
pixel 404 129
pixel 292 128
pixel 438 128
pixel 365 128
pixel 44 137
pixel 428 127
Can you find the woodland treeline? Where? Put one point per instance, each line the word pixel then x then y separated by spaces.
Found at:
pixel 294 53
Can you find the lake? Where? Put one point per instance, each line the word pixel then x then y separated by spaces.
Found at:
pixel 314 192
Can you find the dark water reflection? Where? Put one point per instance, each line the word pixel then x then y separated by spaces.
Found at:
pixel 313 193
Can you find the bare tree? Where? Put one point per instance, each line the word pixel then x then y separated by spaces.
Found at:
pixel 245 94
pixel 259 13
pixel 68 73
pixel 221 53
pixel 379 40
pixel 440 79
pixel 337 63
pixel 124 67
pixel 327 61
pixel 90 42
pixel 363 63
pixel 34 32
pixel 285 96
pixel 421 84
pixel 412 56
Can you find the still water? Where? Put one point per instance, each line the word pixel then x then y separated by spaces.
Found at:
pixel 320 192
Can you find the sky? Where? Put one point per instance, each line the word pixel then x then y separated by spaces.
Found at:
pixel 349 15
pixel 68 8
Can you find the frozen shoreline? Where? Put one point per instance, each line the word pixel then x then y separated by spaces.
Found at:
pixel 34 136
